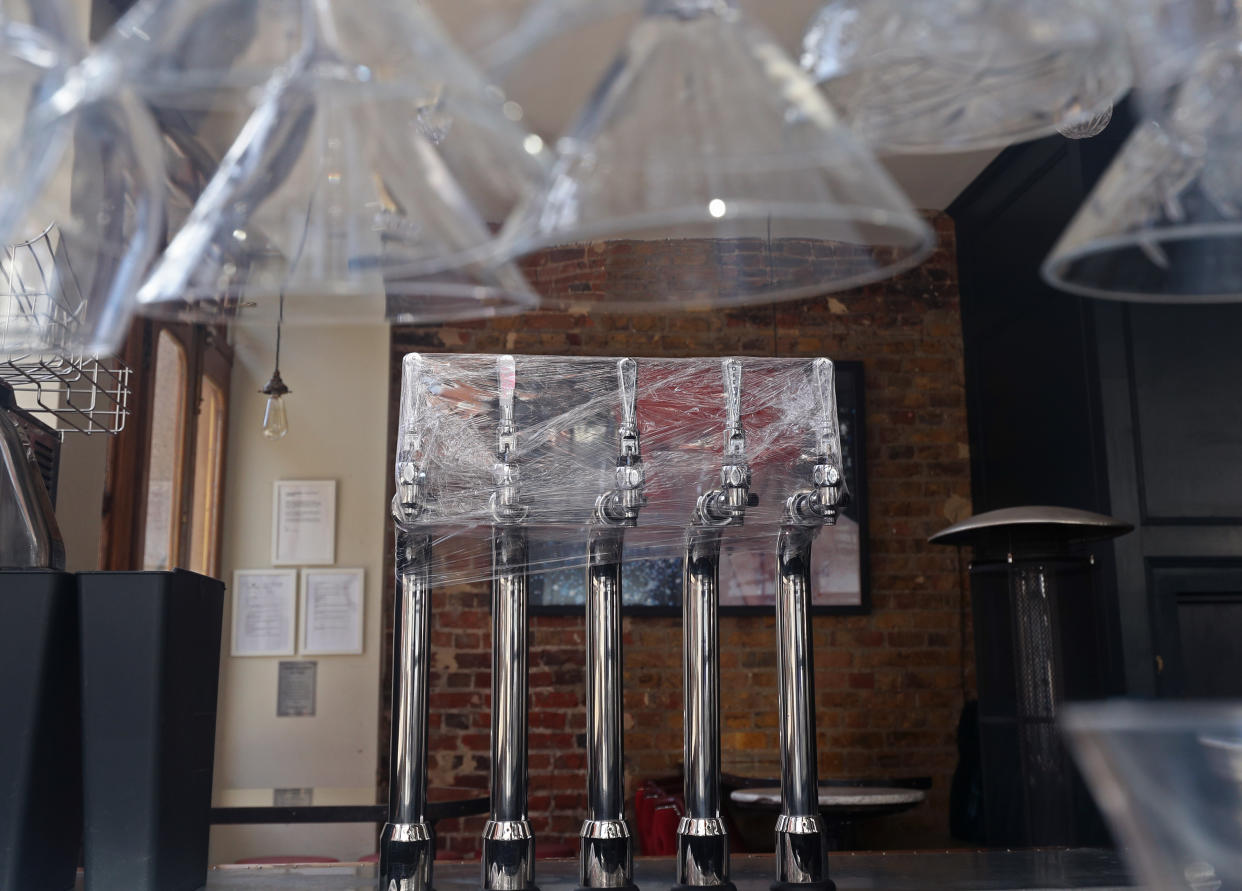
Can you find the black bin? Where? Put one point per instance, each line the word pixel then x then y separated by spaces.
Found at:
pixel 40 762
pixel 150 672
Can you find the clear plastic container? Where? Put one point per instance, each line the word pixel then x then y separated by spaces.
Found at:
pixel 1168 776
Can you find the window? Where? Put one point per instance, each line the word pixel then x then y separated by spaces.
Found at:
pixel 164 487
pixel 208 464
pixel 166 454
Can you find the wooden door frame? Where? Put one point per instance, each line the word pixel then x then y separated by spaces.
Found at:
pixel 126 475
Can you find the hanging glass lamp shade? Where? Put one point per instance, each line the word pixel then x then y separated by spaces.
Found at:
pixel 913 76
pixel 351 161
pixel 1164 223
pixel 1166 37
pixel 708 170
pixel 81 210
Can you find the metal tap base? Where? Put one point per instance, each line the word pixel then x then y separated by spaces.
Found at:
pixel 607 856
pixel 801 852
pixel 508 856
pixel 702 853
pixel 407 853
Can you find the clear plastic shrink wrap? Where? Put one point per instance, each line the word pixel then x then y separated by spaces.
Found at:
pixel 452 484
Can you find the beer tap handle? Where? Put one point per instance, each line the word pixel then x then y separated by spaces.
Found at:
pixel 506 374
pixel 506 502
pixel 828 475
pixel 735 434
pixel 620 506
pixel 627 383
pixel 409 502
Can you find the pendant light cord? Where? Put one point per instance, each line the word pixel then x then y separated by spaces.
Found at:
pixel 280 319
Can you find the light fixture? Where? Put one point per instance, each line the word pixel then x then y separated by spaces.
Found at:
pixel 88 172
pixel 708 170
pixel 275 420
pixel 1088 127
pixel 359 160
pixel 913 76
pixel 1164 223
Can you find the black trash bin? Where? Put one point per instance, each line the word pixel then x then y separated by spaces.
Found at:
pixel 40 761
pixel 150 672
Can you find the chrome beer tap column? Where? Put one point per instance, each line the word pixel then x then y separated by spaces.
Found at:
pixel 702 843
pixel 508 843
pixel 801 844
pixel 407 848
pixel 607 856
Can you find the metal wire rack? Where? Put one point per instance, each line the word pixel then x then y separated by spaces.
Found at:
pixel 42 307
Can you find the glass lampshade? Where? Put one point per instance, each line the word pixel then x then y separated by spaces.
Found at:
pixel 350 161
pixel 708 170
pixel 1164 223
pixel 913 76
pixel 81 211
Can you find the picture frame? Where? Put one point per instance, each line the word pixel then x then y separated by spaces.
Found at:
pixel 653 587
pixel 264 618
pixel 333 612
pixel 303 522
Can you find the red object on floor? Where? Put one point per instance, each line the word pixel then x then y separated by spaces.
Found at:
pixel 370 858
pixel 647 798
pixel 664 828
pixel 279 859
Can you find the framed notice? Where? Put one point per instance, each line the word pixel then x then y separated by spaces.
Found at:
pixel 332 611
pixel 304 523
pixel 264 602
pixel 295 689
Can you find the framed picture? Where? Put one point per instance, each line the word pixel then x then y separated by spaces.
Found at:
pixel 303 522
pixel 839 578
pixel 332 612
pixel 264 608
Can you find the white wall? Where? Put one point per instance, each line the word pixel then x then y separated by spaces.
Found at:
pixel 79 500
pixel 338 418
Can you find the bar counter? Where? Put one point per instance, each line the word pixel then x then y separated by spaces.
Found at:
pixel 940 870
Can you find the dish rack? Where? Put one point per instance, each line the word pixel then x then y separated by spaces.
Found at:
pixel 46 390
pixel 42 308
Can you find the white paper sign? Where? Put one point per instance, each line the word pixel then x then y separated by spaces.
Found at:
pixel 304 522
pixel 332 611
pixel 264 601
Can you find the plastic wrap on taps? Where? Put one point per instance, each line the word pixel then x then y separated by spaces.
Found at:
pixel 560 445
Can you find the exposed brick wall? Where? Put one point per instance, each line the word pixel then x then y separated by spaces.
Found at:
pixel 889 684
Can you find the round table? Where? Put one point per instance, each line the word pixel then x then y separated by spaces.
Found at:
pixel 840 806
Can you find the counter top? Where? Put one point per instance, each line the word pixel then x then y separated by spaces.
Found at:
pixel 902 871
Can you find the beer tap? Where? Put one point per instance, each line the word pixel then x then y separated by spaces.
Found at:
pixel 801 843
pixel 702 842
pixel 607 856
pixel 508 843
pixel 407 847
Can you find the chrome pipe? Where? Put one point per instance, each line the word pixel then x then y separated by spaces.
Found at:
pixel 702 842
pixel 607 856
pixel 407 847
pixel 508 842
pixel 801 840
pixel 508 862
pixel 801 843
pixel 606 859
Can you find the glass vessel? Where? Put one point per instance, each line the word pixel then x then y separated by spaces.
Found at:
pixel 80 207
pixel 707 170
pixel 1164 223
pixel 343 155
pixel 1168 776
pixel 914 76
